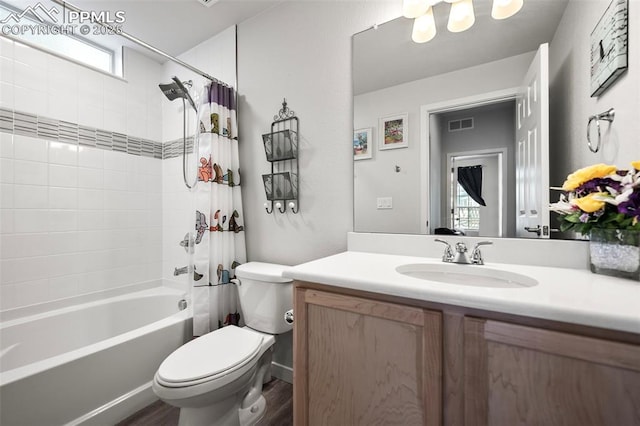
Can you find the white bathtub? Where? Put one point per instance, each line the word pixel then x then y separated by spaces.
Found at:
pixel 91 363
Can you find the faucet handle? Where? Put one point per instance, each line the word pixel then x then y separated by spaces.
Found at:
pixel 448 253
pixel 476 255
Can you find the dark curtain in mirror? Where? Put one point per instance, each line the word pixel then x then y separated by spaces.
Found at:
pixel 470 178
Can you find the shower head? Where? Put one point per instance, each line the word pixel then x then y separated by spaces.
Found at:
pixel 177 90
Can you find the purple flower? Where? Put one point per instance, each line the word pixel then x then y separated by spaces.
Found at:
pixel 598 185
pixel 584 217
pixel 631 207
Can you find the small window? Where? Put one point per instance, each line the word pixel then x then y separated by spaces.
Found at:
pixel 37 26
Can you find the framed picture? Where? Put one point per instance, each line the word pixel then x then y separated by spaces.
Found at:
pixel 362 143
pixel 394 132
pixel 609 47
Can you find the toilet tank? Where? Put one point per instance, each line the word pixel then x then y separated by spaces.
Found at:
pixel 264 295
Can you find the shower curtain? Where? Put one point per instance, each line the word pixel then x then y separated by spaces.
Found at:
pixel 219 237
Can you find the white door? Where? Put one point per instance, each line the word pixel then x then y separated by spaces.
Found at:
pixel 532 150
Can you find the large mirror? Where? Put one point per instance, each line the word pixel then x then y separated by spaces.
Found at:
pixel 433 119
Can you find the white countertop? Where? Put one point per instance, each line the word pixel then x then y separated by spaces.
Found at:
pixel 567 295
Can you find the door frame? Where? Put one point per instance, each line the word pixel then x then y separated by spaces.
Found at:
pixel 425 136
pixel 502 154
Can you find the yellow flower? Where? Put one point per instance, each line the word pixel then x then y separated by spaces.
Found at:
pixel 636 165
pixel 583 175
pixel 590 203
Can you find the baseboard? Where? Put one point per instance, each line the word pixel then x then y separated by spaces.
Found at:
pixel 282 372
pixel 118 409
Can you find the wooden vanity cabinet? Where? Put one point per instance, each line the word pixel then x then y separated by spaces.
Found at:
pixel 365 362
pixel 519 375
pixel 369 359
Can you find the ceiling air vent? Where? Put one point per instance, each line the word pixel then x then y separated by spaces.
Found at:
pixel 208 3
pixel 462 124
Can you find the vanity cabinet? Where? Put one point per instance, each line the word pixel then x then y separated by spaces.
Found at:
pixel 364 362
pixel 519 375
pixel 366 359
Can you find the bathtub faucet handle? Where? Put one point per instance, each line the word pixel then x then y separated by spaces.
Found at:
pixel 180 271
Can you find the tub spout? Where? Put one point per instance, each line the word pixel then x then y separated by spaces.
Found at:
pixel 180 271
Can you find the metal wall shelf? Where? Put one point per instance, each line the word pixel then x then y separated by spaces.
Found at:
pixel 281 150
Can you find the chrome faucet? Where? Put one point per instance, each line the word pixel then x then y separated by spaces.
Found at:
pixel 461 256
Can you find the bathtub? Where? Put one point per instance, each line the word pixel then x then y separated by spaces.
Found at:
pixel 91 363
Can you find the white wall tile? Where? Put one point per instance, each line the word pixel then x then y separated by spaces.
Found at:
pixel 14 246
pixel 30 149
pixel 90 157
pixel 63 220
pixel 64 264
pixel 6 70
pixel 33 292
pixel 29 77
pixel 63 153
pixel 6 145
pixel 6 170
pixel 6 48
pixel 6 196
pixel 65 176
pixel 92 240
pixel 90 220
pixel 63 198
pixel 30 56
pixel 63 106
pixel 30 173
pixel 7 224
pixel 23 269
pixel 7 95
pixel 8 292
pixel 115 180
pixel 90 178
pixel 115 161
pixel 90 114
pixel 30 197
pixel 63 242
pixel 31 220
pixel 31 100
pixel 90 199
pixel 63 287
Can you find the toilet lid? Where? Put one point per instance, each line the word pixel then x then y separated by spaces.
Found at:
pixel 211 354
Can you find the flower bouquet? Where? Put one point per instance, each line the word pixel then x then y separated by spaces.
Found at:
pixel 604 202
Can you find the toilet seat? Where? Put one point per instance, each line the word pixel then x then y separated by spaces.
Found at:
pixel 209 357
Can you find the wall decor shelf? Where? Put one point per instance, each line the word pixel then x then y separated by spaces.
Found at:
pixel 281 150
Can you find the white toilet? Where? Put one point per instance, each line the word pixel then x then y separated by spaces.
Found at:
pixel 217 378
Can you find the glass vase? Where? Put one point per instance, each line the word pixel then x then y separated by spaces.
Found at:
pixel 615 252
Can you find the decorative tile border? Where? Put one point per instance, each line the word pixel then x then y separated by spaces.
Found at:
pixel 25 124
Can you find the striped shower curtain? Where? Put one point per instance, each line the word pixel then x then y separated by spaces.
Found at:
pixel 219 236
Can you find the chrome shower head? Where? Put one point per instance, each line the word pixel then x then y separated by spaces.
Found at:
pixel 177 90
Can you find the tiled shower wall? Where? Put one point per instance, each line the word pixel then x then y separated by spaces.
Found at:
pixel 77 214
pixel 86 204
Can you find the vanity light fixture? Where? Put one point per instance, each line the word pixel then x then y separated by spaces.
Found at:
pixel 424 27
pixel 461 15
pixel 503 9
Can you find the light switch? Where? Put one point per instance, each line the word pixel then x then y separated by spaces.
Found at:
pixel 384 203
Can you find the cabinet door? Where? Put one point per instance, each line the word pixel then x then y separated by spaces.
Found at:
pixel 517 375
pixel 365 362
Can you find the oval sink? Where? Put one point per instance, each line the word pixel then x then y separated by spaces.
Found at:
pixel 469 275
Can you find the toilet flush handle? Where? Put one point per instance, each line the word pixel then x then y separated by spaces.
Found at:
pixel 288 316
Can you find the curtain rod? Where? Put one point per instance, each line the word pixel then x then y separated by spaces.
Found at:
pixel 139 42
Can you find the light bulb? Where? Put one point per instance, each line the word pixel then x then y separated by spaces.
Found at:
pixel 266 205
pixel 291 205
pixel 424 27
pixel 461 16
pixel 278 205
pixel 414 8
pixel 503 9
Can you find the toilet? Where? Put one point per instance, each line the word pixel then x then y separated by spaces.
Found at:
pixel 217 379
